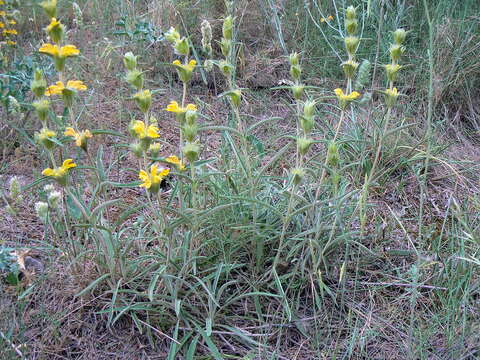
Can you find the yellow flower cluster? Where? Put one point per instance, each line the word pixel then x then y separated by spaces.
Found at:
pixel 60 173
pixel 59 52
pixel 7 32
pixel 153 179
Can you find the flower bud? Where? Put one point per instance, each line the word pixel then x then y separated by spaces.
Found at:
pixel 42 107
pixel 307 123
pixel 181 47
pixel 56 30
pixel 15 189
pixel 50 8
pixel 351 44
pixel 191 150
pixel 154 149
pixel 39 84
pixel 297 91
pixel 225 67
pixel 225 46
pixel 335 179
pixel 391 96
pixel 303 145
pixel 54 199
pixel 190 132
pixel 392 71
pixel 191 117
pixel 206 30
pixel 399 36
pixel 135 78
pixel 297 175
pixel 351 26
pixel 137 149
pixel 351 13
pixel 227 29
pixel 295 72
pixel 208 65
pixel 41 208
pixel 235 97
pixel 396 51
pixel 44 137
pixel 143 100
pixel 13 104
pixel 293 58
pixel 172 35
pixel 309 109
pixel 349 68
pixel 333 157
pixel 130 61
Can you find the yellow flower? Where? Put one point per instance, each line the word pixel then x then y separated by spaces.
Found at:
pixel 10 42
pixel 12 22
pixel 80 137
pixel 10 32
pixel 46 138
pixel 3 13
pixel 391 96
pixel 173 159
pixel 174 107
pixel 345 99
pixel 54 23
pixel 185 70
pixel 2 2
pixel 329 18
pixel 60 173
pixel 55 30
pixel 2 25
pixel 59 87
pixel 56 51
pixel 350 97
pixel 142 131
pixel 152 180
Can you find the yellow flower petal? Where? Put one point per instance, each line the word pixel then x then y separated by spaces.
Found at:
pixel 48 172
pixel 49 49
pixel 70 132
pixel 76 85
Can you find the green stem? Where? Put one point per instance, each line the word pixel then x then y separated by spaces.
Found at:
pixel 286 222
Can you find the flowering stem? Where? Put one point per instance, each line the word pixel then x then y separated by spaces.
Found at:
pixel 194 209
pixel 379 147
pixel 286 222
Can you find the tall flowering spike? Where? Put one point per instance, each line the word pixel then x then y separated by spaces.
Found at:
pixel 60 173
pixel 152 180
